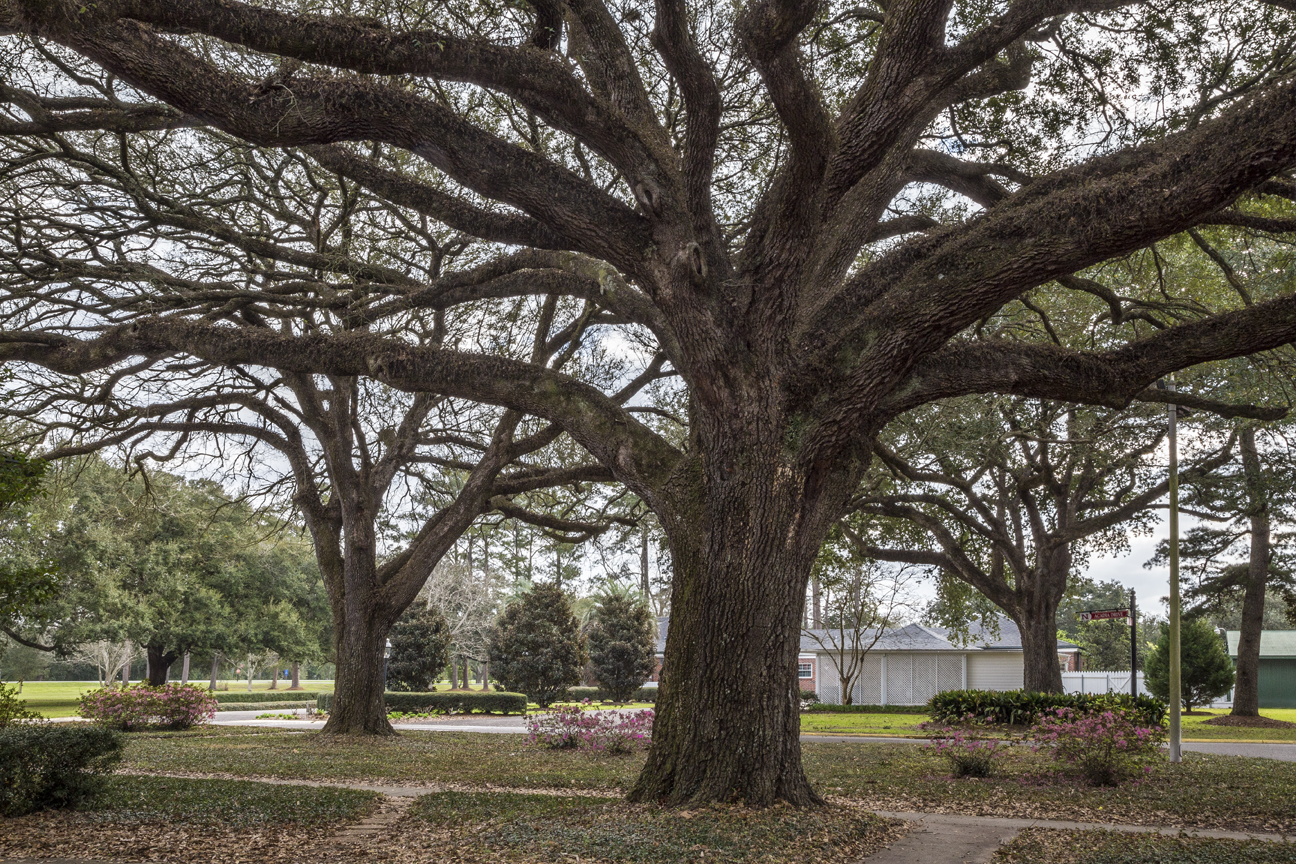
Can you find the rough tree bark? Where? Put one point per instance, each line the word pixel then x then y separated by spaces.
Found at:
pixel 159 663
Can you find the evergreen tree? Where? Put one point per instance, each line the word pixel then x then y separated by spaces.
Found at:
pixel 1206 670
pixel 622 644
pixel 536 647
pixel 420 649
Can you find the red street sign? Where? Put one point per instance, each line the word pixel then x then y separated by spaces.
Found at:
pixel 1104 614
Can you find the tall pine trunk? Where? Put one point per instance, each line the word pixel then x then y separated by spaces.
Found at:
pixel 1246 689
pixel 296 676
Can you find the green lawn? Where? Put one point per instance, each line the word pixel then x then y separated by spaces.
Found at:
pixel 1090 847
pixel 1204 791
pixel 60 698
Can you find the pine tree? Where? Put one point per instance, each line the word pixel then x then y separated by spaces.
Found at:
pixel 623 644
pixel 420 649
pixel 536 647
pixel 1206 672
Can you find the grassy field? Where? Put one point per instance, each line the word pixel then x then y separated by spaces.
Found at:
pixel 1204 791
pixel 1194 727
pixel 1088 847
pixel 60 698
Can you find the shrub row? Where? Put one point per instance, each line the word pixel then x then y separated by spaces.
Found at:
pixel 48 766
pixel 446 702
pixel 263 706
pixel 1020 707
pixel 598 694
pixel 265 696
pixel 821 708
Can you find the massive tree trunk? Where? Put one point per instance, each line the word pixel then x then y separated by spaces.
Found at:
pixel 159 664
pixel 358 705
pixel 729 691
pixel 1246 689
pixel 1041 672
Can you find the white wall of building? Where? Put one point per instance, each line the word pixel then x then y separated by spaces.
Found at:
pixel 994 670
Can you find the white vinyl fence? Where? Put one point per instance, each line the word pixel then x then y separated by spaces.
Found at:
pixel 1114 682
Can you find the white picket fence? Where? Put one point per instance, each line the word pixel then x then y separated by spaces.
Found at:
pixel 1114 682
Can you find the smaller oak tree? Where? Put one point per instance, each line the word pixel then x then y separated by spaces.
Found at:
pixel 622 644
pixel 420 649
pixel 1206 670
pixel 536 647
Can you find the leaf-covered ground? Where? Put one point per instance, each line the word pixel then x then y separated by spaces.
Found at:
pixel 1088 847
pixel 1203 791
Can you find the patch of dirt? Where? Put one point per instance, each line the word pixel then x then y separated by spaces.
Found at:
pixel 1248 722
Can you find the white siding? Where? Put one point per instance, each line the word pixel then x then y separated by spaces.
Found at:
pixel 996 670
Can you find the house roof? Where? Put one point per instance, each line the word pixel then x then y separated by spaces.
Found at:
pixel 911 637
pixel 1273 643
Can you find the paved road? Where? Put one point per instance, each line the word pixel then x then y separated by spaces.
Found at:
pixel 516 725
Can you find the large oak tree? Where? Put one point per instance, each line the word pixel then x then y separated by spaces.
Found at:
pixel 808 205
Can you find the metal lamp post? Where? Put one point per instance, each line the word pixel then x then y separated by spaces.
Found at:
pixel 387 651
pixel 1175 729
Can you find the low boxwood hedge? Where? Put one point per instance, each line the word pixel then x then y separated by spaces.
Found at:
pixel 598 694
pixel 44 766
pixel 1020 707
pixel 445 702
pixel 821 708
pixel 262 706
pixel 224 696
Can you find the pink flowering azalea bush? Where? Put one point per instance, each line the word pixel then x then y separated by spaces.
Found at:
pixel 968 757
pixel 570 728
pixel 1103 746
pixel 172 706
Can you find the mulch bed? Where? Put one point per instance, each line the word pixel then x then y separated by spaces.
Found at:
pixel 1248 722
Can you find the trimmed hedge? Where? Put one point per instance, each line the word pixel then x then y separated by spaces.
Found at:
pixel 598 694
pixel 224 696
pixel 45 766
pixel 1021 707
pixel 821 708
pixel 445 702
pixel 262 706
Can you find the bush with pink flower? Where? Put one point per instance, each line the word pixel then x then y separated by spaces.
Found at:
pixel 172 706
pixel 1104 747
pixel 968 756
pixel 571 728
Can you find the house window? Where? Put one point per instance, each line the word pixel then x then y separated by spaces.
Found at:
pixel 805 670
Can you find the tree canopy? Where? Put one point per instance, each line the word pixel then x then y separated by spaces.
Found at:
pixel 814 214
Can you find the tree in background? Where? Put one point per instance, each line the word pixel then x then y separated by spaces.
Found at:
pixel 860 600
pixel 1248 511
pixel 1105 645
pixel 536 647
pixel 420 649
pixel 170 565
pixel 622 643
pixel 1011 496
pixel 22 587
pixel 1206 670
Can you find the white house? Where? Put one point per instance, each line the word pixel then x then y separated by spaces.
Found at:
pixel 909 665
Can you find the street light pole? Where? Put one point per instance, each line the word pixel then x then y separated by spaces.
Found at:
pixel 1175 703
pixel 1133 645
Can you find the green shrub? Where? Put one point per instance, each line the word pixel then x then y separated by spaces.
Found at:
pixel 1206 672
pixel 536 646
pixel 46 766
pixel 265 696
pixel 598 694
pixel 622 644
pixel 822 708
pixel 264 706
pixel 171 706
pixel 420 649
pixel 12 708
pixel 445 702
pixel 1022 707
